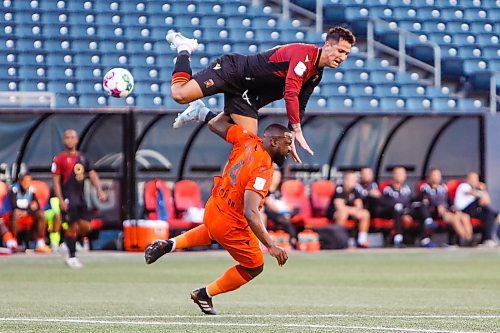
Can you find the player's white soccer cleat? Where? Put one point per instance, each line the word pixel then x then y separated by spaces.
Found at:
pixel 73 263
pixel 181 43
pixel 196 111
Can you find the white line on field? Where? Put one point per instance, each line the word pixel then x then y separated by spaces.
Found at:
pixel 301 316
pixel 206 324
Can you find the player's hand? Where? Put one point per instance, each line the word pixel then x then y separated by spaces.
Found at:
pixel 279 253
pixel 102 196
pixel 64 205
pixel 299 137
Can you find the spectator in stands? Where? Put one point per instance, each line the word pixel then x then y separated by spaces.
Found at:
pixel 369 191
pixel 347 204
pixel 434 196
pixel 26 214
pixel 473 199
pixel 278 210
pixel 69 170
pixel 405 209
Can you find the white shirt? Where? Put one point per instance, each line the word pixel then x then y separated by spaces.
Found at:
pixel 462 197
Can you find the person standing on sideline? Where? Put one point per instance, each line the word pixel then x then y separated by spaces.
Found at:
pixel 69 170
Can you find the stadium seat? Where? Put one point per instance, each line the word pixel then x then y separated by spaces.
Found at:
pixel 294 193
pixel 452 185
pixel 187 194
pixel 159 205
pixel 321 196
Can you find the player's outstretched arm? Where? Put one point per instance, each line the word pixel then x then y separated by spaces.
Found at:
pixel 251 212
pixel 220 124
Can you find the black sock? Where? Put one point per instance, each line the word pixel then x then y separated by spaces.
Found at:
pixel 209 116
pixel 71 243
pixel 182 65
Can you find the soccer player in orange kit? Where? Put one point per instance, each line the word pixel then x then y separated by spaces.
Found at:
pixel 232 212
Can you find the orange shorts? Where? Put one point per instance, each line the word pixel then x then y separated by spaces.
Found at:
pixel 237 238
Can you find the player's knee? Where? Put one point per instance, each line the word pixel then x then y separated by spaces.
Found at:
pixel 178 95
pixel 254 272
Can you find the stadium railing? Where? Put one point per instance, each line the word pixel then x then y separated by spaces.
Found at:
pixel 400 53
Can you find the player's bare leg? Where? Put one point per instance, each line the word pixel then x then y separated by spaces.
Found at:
pixel 247 123
pixel 183 88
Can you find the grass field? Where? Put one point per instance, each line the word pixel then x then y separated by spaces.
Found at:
pixel 345 291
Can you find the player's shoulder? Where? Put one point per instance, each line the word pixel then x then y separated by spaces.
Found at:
pixel 60 156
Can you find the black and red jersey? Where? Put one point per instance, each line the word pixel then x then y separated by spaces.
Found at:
pixel 289 71
pixel 73 169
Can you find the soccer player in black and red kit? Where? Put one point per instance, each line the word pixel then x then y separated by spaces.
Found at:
pixel 250 82
pixel 69 170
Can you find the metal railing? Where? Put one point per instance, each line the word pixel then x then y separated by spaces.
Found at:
pixel 400 53
pixel 287 6
pixel 494 99
pixel 27 98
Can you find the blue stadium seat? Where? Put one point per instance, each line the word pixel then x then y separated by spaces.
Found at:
pixel 365 103
pixel 468 105
pixel 59 73
pixel 32 58
pixel 474 65
pixel 392 104
pixel 444 104
pixel 65 100
pixel 337 103
pixel 87 73
pixel 387 90
pixel 92 100
pixel 418 104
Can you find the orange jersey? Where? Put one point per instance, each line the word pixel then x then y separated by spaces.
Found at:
pixel 249 168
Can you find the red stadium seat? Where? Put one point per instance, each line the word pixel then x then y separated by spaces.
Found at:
pixel 187 194
pixel 152 202
pixel 42 192
pixel 321 194
pixel 452 185
pixel 4 189
pixel 294 193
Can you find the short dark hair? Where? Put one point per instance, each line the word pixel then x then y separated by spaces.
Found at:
pixel 337 33
pixel 276 129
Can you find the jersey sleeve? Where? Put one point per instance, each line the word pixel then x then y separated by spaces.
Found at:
pixel 56 167
pixel 293 83
pixel 260 180
pixel 235 134
pixel 89 166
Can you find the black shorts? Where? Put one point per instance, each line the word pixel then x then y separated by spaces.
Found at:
pixel 224 75
pixel 77 212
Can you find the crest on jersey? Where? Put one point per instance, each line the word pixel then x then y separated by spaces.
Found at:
pixel 209 83
pixel 217 66
pixel 300 68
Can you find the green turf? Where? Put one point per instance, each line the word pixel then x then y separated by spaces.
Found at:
pixel 347 291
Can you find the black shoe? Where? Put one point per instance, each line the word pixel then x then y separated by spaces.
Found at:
pixel 157 249
pixel 200 297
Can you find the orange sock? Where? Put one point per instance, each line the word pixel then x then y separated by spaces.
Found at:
pixel 195 237
pixel 232 279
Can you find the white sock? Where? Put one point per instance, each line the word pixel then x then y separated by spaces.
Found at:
pixel 362 237
pixel 202 115
pixel 173 245
pixel 398 238
pixel 40 242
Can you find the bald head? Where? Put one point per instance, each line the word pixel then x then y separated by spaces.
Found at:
pixel 70 140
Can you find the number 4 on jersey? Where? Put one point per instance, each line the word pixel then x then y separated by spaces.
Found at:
pixel 234 171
